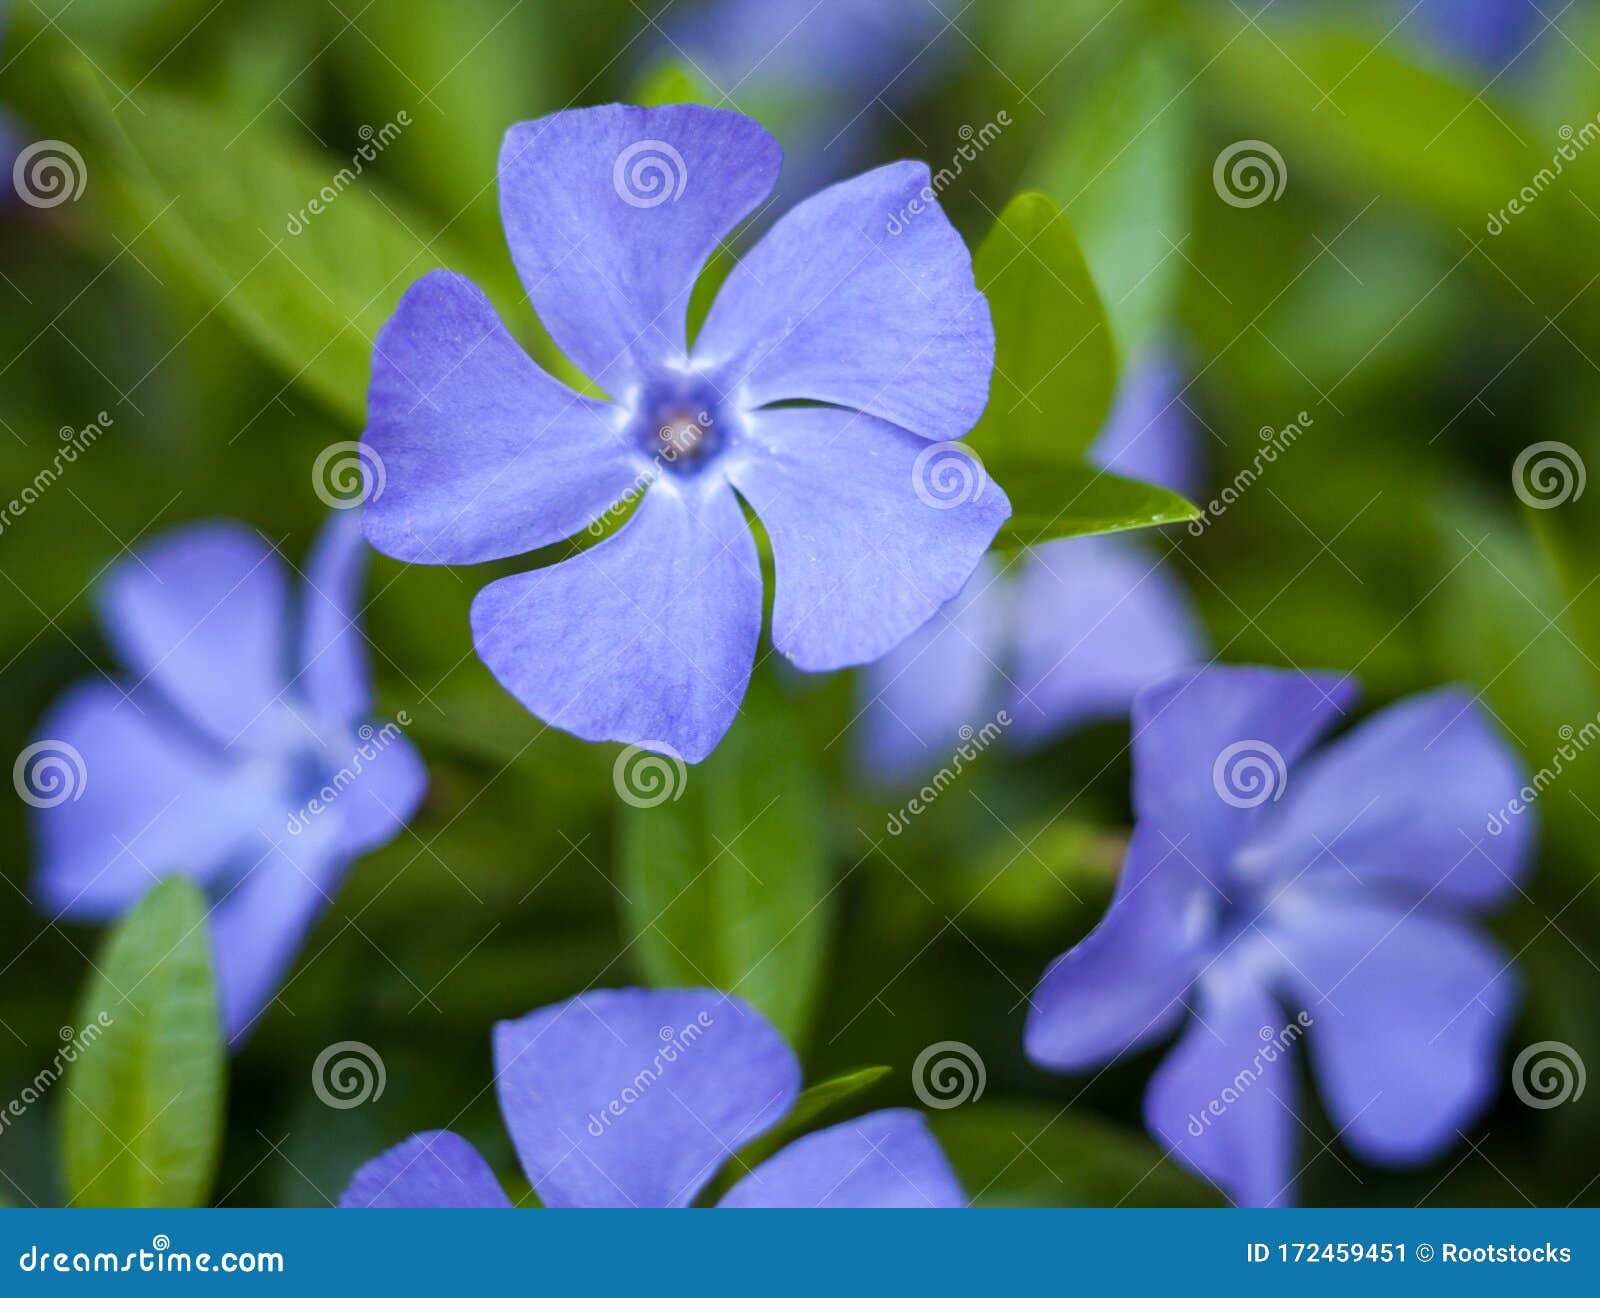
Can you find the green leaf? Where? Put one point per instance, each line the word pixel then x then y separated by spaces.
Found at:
pixel 1050 500
pixel 673 81
pixel 1119 171
pixel 812 1103
pixel 1013 1155
pixel 1054 365
pixel 143 1114
pixel 233 204
pixel 1360 118
pixel 725 883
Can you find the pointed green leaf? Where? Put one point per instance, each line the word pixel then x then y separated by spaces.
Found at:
pixel 143 1111
pixel 1050 500
pixel 726 884
pixel 1120 171
pixel 1054 365
pixel 809 1107
pixel 305 252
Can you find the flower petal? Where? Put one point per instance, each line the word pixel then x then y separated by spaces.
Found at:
pixel 334 671
pixel 385 792
pixel 1212 749
pixel 944 677
pixel 1403 802
pixel 258 925
pixel 1098 619
pixel 298 866
pixel 1126 983
pixel 647 638
pixel 884 1160
pixel 864 550
pixel 634 1098
pixel 151 800
pixel 476 453
pixel 612 212
pixel 436 1169
pixel 1150 434
pixel 201 613
pixel 1410 1012
pixel 1224 1100
pixel 862 296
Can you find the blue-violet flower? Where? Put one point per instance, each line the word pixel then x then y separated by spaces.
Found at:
pixel 834 355
pixel 635 1099
pixel 239 755
pixel 1343 884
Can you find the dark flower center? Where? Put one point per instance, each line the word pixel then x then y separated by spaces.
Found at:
pixel 683 435
pixel 680 423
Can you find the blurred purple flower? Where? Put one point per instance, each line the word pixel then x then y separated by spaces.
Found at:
pixel 237 757
pixel 650 636
pixel 11 137
pixel 635 1099
pixel 1343 883
pixel 821 74
pixel 1492 34
pixel 1065 637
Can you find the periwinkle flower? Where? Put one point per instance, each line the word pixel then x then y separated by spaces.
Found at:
pixel 1491 34
pixel 1270 892
pixel 636 1099
pixel 1065 634
pixel 239 754
pixel 834 357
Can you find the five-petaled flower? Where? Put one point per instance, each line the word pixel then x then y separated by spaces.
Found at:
pixel 1064 635
pixel 636 1099
pixel 237 756
pixel 833 355
pixel 1344 885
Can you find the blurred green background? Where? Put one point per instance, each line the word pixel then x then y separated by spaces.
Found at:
pixel 1389 542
